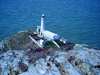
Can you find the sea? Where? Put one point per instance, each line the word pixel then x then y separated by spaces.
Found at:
pixel 76 20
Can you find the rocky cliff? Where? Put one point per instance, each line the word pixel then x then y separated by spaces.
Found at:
pixel 20 56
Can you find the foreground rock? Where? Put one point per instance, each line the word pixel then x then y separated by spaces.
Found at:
pixel 79 61
pixel 26 58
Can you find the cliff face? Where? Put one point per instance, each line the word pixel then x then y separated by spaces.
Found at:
pixel 79 60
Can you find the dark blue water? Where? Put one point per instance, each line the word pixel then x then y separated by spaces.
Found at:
pixel 76 20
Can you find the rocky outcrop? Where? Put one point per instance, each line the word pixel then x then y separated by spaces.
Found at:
pixel 78 61
pixel 72 59
pixel 19 41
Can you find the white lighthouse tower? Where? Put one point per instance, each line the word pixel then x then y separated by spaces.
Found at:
pixel 42 23
pixel 45 33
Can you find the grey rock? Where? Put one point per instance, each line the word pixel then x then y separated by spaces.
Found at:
pixel 81 60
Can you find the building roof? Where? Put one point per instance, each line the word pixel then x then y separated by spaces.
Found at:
pixel 49 33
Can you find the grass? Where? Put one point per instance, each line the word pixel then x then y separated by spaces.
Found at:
pixel 60 43
pixel 52 45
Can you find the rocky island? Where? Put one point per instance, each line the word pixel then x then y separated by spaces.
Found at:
pixel 19 55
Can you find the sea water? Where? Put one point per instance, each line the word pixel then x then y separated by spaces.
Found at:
pixel 76 20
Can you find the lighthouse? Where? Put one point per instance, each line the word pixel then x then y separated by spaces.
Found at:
pixel 41 31
pixel 42 23
pixel 42 36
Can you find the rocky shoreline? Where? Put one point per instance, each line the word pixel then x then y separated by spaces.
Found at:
pixel 20 56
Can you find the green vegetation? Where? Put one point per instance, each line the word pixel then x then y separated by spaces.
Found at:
pixel 19 41
pixel 60 43
pixel 50 45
